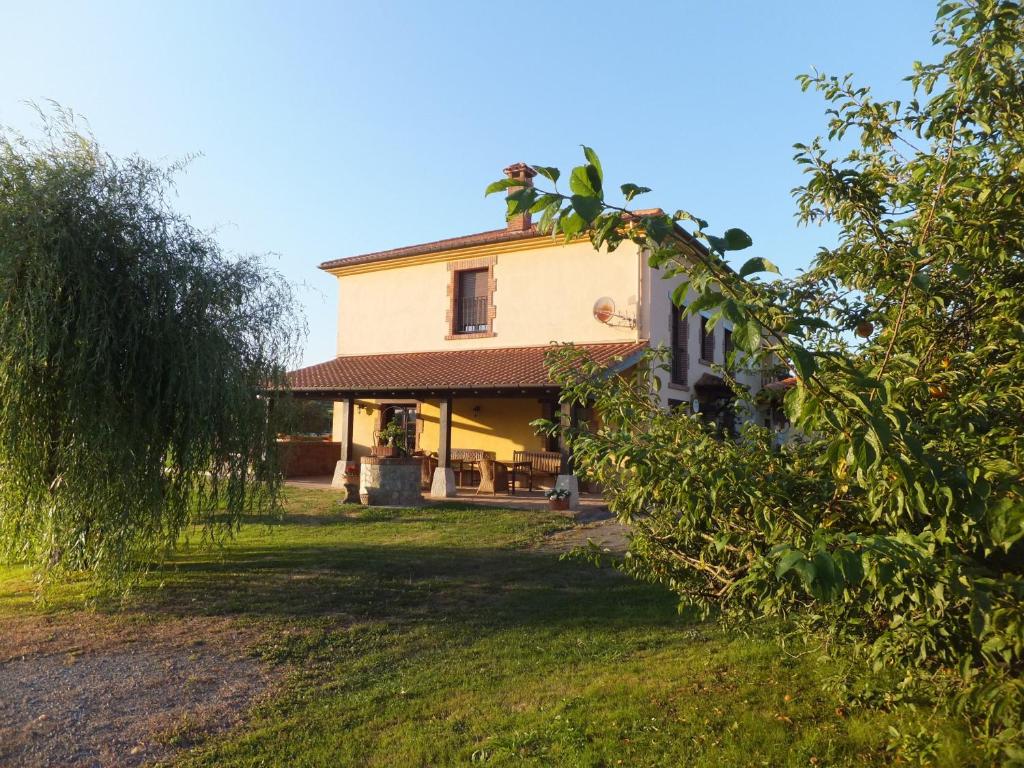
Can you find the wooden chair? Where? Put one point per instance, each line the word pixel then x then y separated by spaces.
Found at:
pixel 530 463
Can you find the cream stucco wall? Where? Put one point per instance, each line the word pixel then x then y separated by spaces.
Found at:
pixel 544 292
pixel 542 295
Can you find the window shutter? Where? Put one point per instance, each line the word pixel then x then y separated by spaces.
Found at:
pixel 473 284
pixel 471 303
pixel 707 341
pixel 680 346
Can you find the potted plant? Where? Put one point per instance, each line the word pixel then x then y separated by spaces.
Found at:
pixel 390 440
pixel 558 498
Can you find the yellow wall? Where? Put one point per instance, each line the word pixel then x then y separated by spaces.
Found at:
pixel 364 424
pixel 501 425
pixel 543 294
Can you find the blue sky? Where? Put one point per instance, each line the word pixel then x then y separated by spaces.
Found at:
pixel 331 129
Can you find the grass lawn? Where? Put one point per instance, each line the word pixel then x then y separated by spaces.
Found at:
pixel 445 636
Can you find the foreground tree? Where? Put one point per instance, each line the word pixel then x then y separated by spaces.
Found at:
pixel 132 355
pixel 896 523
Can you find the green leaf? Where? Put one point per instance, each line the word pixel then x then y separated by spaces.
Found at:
pixel 593 159
pixel 629 191
pixel 850 565
pixel 658 228
pixel 581 183
pixel 682 215
pixel 521 200
pixel 746 335
pixel 757 264
pixel 807 571
pixel 737 240
pixel 706 300
pixel 570 225
pixel 803 361
pixel 788 561
pixel 544 202
pixel 498 186
pixel 589 208
pixel 679 293
pixel 548 172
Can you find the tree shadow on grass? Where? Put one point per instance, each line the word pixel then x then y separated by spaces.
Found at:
pixel 402 582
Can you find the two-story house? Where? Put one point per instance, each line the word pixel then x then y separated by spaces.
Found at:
pixel 449 337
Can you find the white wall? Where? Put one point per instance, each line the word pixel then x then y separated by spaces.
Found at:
pixel 659 293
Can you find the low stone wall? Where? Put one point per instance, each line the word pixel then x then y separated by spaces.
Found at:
pixel 389 482
pixel 308 458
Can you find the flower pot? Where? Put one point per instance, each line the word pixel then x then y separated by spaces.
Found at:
pixel 351 491
pixel 384 451
pixel 558 505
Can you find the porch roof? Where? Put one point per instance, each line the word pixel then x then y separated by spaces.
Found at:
pixel 466 371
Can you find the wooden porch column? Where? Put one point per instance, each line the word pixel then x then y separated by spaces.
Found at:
pixel 444 445
pixel 568 419
pixel 443 482
pixel 567 472
pixel 345 456
pixel 347 413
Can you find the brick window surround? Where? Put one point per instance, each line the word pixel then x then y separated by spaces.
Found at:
pixel 451 317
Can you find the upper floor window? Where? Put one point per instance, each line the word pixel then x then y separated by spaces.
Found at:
pixel 680 345
pixel 726 344
pixel 471 309
pixel 707 341
pixel 471 301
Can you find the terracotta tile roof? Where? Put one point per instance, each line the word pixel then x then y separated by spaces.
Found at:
pixel 510 367
pixel 504 235
pixel 465 241
pixel 782 384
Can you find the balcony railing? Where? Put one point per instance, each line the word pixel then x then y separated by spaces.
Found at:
pixel 472 314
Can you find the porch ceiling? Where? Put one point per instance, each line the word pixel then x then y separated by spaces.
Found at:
pixel 508 370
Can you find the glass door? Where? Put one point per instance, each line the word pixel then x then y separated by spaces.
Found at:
pixel 405 415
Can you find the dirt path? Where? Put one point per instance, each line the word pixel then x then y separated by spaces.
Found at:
pixel 597 526
pixel 88 690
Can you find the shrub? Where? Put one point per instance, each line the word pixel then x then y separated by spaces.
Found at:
pixel 132 357
pixel 896 522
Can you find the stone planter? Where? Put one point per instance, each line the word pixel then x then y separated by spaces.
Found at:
pixel 390 482
pixel 558 505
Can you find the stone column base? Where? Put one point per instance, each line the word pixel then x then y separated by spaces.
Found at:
pixel 570 483
pixel 339 475
pixel 443 484
pixel 348 483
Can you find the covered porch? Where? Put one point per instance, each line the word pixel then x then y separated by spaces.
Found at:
pixel 465 416
pixel 590 504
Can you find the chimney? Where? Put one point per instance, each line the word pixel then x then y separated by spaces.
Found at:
pixel 524 173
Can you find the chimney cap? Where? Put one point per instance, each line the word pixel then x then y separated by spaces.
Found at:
pixel 520 171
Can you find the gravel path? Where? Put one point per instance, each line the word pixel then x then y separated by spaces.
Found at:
pixel 84 690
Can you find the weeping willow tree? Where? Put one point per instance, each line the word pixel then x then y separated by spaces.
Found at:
pixel 133 354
